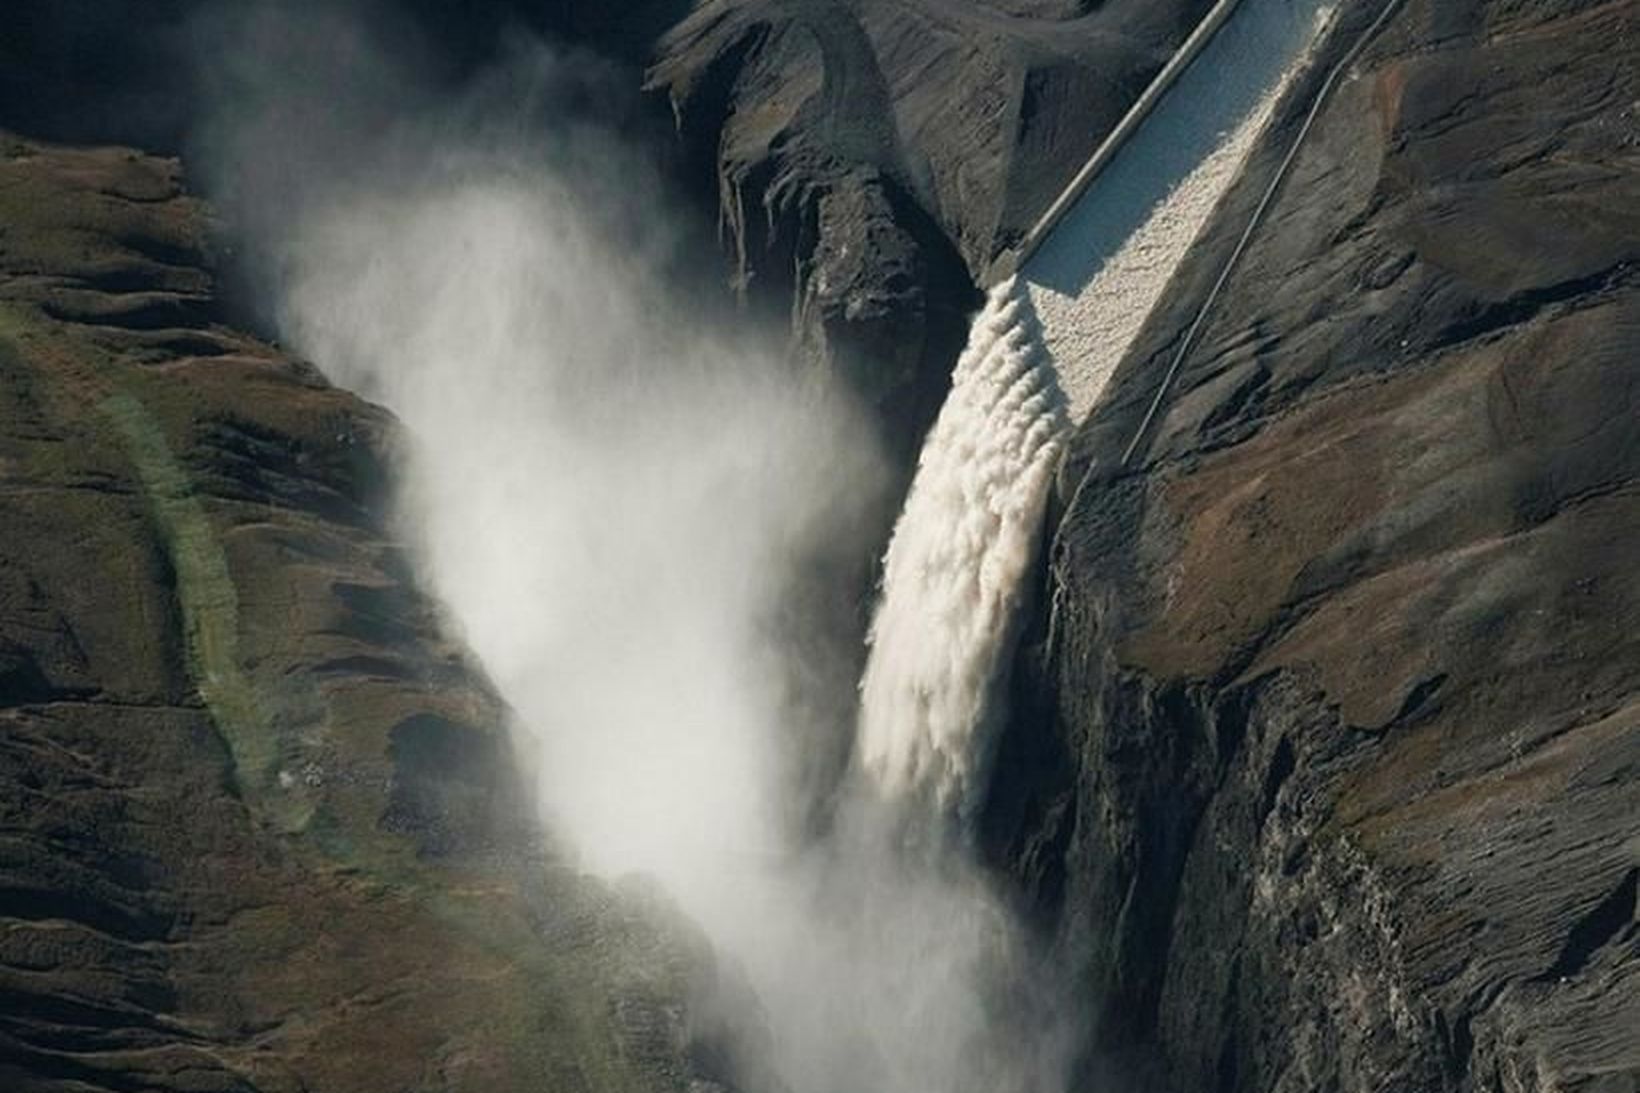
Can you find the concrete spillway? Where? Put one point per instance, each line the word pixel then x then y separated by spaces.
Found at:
pixel 1100 259
pixel 952 577
pixel 1039 356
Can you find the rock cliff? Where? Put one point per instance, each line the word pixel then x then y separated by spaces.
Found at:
pixel 1322 762
pixel 261 825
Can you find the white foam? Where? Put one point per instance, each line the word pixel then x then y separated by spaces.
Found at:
pixel 953 574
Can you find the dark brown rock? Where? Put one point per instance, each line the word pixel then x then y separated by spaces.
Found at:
pixel 1335 742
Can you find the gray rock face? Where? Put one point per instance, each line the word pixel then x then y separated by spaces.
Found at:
pixel 1324 768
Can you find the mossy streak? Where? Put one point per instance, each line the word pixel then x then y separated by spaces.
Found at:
pixel 205 593
pixel 558 1034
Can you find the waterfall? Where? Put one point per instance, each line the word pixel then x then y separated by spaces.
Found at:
pixel 1039 357
pixel 953 574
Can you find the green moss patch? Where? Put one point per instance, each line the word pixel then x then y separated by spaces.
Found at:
pixel 205 593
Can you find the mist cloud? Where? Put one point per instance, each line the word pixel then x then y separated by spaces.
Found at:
pixel 620 500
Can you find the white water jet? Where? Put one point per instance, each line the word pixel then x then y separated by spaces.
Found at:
pixel 954 571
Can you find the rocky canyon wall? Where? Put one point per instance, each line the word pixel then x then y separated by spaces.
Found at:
pixel 1323 768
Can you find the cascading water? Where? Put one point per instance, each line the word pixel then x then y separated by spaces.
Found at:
pixel 1039 356
pixel 954 571
pixel 612 498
